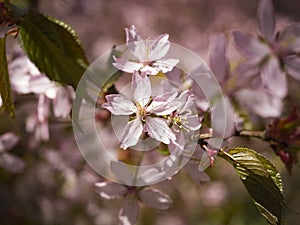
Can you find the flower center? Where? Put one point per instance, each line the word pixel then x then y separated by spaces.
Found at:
pixel 142 112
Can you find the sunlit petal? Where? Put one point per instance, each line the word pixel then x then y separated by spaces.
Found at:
pixel 141 87
pixel 158 129
pixel 126 66
pixel 131 133
pixel 119 105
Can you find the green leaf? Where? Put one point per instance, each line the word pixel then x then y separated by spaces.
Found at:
pixel 5 89
pixel 53 47
pixel 261 179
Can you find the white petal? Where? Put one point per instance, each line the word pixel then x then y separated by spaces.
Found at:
pixel 8 141
pixel 150 70
pixel 39 84
pixel 159 47
pixel 11 163
pixel 128 214
pixel 141 87
pixel 110 190
pixel 158 129
pixel 165 65
pixel 131 133
pixel 126 66
pixel 61 103
pixel 119 105
pixel 154 198
pixel 20 82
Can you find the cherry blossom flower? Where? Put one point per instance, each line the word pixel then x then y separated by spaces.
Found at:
pixel 183 117
pixel 143 107
pixel 38 123
pixel 9 161
pixel 149 54
pixel 272 51
pixel 60 96
pixel 26 78
pixel 241 84
pixel 129 212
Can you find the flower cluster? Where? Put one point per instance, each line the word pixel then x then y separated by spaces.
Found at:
pixel 167 106
pixel 26 78
pixel 161 115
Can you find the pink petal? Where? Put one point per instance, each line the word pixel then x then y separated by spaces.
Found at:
pixel 266 19
pixel 274 79
pixel 218 60
pixel 260 102
pixel 11 163
pixel 43 108
pixel 223 118
pixel 128 214
pixel 154 198
pixel 126 66
pixel 186 101
pixel 141 88
pixel 292 66
pixel 140 50
pixel 131 133
pixel 132 34
pixel 158 129
pixel 290 38
pixel 191 122
pixel 163 104
pixel 42 131
pixel 199 177
pixel 8 141
pixel 246 72
pixel 165 65
pixel 152 175
pixel 249 46
pixel 20 82
pixel 39 84
pixel 119 105
pixel 110 190
pixel 122 172
pixel 159 47
pixel 61 103
pixel 150 70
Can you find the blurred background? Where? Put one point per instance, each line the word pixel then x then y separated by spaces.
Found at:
pixel 56 186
